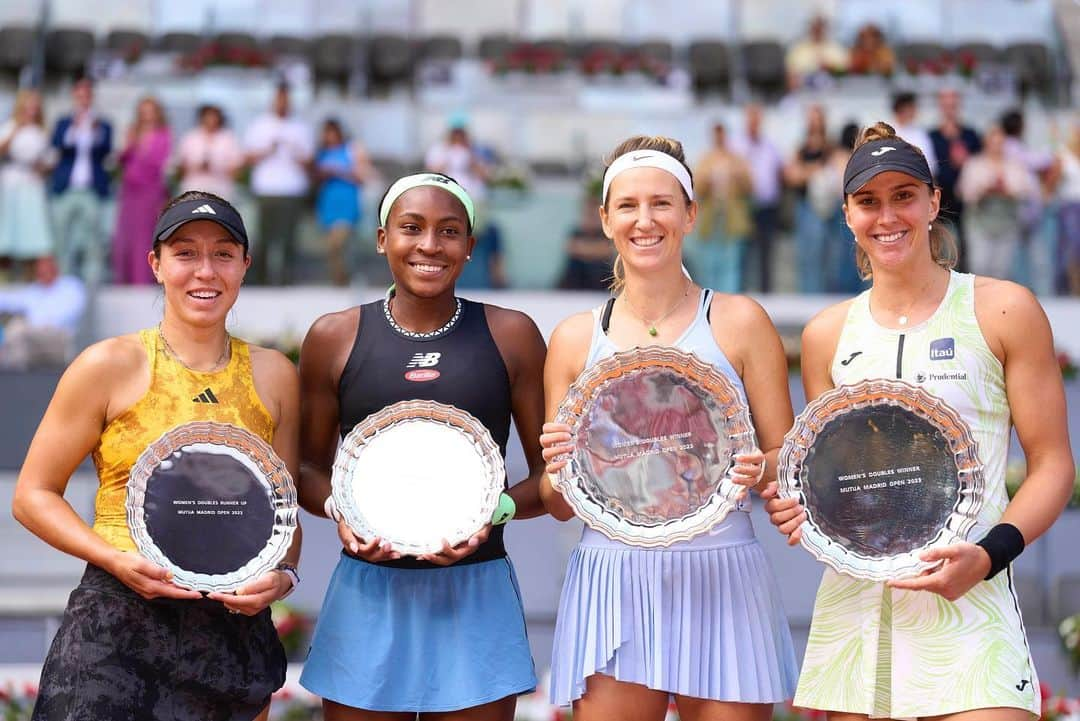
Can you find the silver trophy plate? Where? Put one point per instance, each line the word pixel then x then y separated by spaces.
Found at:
pixel 212 503
pixel 884 470
pixel 416 473
pixel 655 432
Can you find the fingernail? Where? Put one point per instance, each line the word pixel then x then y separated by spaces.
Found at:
pixel 353 547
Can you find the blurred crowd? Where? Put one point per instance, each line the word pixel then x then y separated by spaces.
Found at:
pixel 1014 210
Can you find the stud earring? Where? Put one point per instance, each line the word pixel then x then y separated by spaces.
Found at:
pixel 468 257
pixel 929 226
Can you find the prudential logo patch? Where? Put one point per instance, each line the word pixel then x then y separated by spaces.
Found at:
pixel 943 349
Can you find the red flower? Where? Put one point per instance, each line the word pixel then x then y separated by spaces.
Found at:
pixel 1044 690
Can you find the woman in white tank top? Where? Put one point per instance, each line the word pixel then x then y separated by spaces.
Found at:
pixel 949 643
pixel 699 620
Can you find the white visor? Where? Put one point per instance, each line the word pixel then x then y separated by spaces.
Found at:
pixel 648 159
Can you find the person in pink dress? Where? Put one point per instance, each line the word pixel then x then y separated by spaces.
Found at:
pixel 142 192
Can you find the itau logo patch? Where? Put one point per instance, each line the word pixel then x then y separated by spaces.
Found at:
pixel 943 349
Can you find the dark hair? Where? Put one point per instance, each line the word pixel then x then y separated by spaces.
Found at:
pixel 660 144
pixel 335 125
pixel 1012 122
pixel 849 136
pixel 901 100
pixel 183 198
pixel 943 248
pixel 211 108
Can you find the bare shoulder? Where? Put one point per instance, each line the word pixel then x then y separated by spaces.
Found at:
pixel 1008 313
pixel 574 332
pixel 119 356
pixel 825 327
pixel 1002 297
pixel 739 313
pixel 507 321
pixel 275 364
pixel 334 327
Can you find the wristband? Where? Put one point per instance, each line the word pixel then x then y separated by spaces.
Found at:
pixel 294 578
pixel 505 510
pixel 1003 544
pixel 331 510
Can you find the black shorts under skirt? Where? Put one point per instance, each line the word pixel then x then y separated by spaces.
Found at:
pixel 118 656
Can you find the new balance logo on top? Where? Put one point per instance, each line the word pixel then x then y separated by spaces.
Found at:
pixel 424 360
pixel 882 151
pixel 204 209
pixel 207 396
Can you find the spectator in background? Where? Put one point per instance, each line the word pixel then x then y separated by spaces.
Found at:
pixel 46 315
pixel 994 188
pixel 457 157
pixel 1034 265
pixel 1068 196
pixel 142 192
pixel 471 166
pixel 953 143
pixel 280 148
pixel 25 232
pixel 210 155
pixel 841 274
pixel 905 107
pixel 815 54
pixel 871 55
pixel 340 169
pixel 80 185
pixel 810 236
pixel 766 172
pixel 724 191
pixel 589 253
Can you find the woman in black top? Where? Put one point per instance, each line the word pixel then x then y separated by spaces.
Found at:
pixel 399 636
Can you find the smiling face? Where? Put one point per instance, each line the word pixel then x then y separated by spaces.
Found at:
pixel 647 216
pixel 200 267
pixel 890 217
pixel 426 241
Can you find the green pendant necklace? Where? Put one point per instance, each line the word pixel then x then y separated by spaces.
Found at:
pixel 651 326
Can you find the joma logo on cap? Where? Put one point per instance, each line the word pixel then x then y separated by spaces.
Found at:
pixel 882 151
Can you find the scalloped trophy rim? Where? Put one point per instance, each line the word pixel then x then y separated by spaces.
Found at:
pixel 840 400
pixel 276 479
pixel 574 407
pixel 472 431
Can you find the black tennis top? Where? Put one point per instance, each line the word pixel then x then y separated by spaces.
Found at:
pixel 458 364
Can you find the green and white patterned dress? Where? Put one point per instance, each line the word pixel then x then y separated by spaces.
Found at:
pixel 895 653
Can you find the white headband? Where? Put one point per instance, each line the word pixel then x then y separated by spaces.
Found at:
pixel 648 159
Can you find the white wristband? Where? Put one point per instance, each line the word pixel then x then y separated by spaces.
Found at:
pixel 331 509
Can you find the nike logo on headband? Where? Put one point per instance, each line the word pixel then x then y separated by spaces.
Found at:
pixel 636 158
pixel 882 151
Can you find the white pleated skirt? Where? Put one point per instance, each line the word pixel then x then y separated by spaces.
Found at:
pixel 702 618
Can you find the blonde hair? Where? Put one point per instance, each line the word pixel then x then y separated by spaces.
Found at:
pixel 22 98
pixel 661 144
pixel 943 248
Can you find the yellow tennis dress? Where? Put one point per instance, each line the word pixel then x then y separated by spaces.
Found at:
pixel 177 395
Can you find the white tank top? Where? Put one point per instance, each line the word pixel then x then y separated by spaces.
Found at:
pixel 947 356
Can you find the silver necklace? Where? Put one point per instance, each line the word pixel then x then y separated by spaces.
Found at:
pixel 222 359
pixel 417 334
pixel 651 327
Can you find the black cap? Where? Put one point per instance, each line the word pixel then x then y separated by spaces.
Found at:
pixel 879 156
pixel 201 209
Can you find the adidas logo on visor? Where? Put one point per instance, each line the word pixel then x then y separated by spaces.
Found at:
pixel 204 209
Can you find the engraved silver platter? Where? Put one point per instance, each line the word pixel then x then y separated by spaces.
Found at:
pixel 212 503
pixel 418 472
pixel 884 470
pixel 655 432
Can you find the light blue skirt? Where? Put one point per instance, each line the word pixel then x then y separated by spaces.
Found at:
pixel 416 640
pixel 701 618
